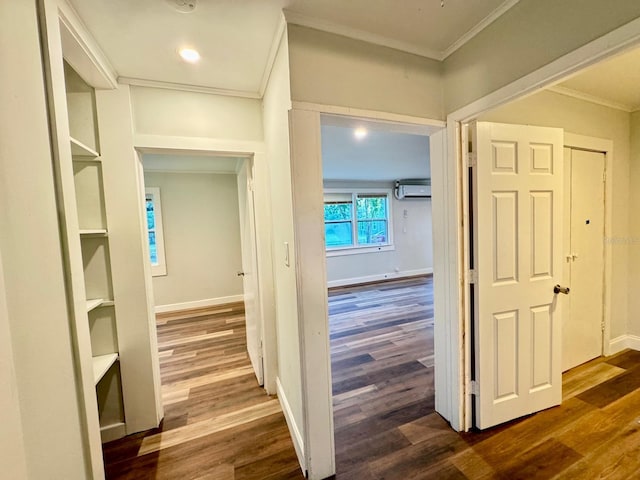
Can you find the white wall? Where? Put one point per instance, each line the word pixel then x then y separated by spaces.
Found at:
pixel 334 70
pixel 36 305
pixel 12 454
pixel 528 36
pixel 585 118
pixel 188 114
pixel 633 240
pixel 412 238
pixel 218 124
pixel 201 235
pixel 276 132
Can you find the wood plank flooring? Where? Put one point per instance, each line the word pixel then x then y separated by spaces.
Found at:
pixel 219 424
pixel 386 426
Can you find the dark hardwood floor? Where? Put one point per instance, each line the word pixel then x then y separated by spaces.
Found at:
pixel 219 424
pixel 386 426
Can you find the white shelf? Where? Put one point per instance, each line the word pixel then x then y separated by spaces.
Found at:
pixel 98 302
pixel 79 149
pixel 94 232
pixel 94 303
pixel 102 364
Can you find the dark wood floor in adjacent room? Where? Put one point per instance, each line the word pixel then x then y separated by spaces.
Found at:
pixel 219 424
pixel 386 427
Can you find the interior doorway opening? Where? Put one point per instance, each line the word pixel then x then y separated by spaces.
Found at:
pixel 379 261
pixel 200 225
pixel 597 244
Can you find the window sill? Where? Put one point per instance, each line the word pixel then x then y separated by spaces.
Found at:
pixel 337 252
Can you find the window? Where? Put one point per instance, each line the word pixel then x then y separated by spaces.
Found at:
pixel 357 220
pixel 154 230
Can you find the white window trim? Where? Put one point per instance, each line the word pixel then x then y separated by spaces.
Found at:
pixel 359 249
pixel 161 268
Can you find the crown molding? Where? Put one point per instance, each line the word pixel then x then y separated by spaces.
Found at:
pixel 570 92
pixel 183 87
pixel 330 27
pixel 478 27
pixel 82 51
pixel 273 51
pixel 326 26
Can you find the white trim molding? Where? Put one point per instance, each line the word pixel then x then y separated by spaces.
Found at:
pixel 554 72
pixel 108 433
pixel 82 51
pixel 384 41
pixel 184 87
pixel 478 27
pixel 570 92
pixel 273 51
pixel 207 302
pixel 623 342
pixel 349 32
pixel 379 277
pixel 298 443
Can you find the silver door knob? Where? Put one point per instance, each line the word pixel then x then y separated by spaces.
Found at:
pixel 558 289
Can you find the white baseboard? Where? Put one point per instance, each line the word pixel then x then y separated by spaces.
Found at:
pixel 207 302
pixel 113 432
pixel 622 342
pixel 376 278
pixel 296 437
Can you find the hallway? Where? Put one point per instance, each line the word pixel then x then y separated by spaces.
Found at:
pixel 218 423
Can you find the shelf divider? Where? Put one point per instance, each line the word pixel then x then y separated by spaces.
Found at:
pixel 94 303
pixel 102 364
pixel 79 149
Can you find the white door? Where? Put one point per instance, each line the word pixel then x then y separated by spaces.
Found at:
pixel 249 271
pixel 582 312
pixel 517 212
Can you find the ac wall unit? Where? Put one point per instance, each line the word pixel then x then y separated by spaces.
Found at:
pixel 413 188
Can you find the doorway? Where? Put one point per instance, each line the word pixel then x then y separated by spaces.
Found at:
pixel 584 214
pixel 201 232
pixel 379 263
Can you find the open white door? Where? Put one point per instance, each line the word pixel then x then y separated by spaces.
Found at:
pixel 517 211
pixel 250 268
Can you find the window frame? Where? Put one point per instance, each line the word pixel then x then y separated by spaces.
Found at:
pixel 357 248
pixel 159 269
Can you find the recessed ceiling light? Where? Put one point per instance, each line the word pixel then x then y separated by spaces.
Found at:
pixel 189 55
pixel 360 133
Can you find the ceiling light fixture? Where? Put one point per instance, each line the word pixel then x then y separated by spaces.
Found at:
pixel 189 55
pixel 360 133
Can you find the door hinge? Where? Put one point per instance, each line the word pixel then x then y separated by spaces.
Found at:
pixel 473 276
pixel 602 325
pixel 474 387
pixel 472 159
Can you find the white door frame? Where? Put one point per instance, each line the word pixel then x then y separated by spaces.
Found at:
pixel 262 218
pixel 603 145
pixel 610 44
pixel 306 168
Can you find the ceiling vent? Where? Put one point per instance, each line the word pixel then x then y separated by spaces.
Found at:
pixel 183 6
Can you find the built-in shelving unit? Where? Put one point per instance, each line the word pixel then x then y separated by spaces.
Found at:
pixel 93 233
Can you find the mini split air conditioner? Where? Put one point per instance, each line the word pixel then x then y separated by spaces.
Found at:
pixel 413 188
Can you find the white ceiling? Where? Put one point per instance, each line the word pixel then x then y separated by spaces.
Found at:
pixel 381 156
pixel 615 82
pixel 235 37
